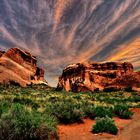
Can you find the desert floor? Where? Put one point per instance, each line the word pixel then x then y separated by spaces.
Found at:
pixel 128 130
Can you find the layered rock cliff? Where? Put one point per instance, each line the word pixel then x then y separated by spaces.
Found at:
pixel 83 77
pixel 19 66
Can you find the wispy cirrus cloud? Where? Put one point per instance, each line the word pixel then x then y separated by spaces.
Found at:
pixel 127 52
pixel 62 32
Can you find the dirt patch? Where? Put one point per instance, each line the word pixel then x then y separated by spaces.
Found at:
pixel 132 130
pixel 128 130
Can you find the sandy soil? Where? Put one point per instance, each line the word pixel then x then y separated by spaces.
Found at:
pixel 128 130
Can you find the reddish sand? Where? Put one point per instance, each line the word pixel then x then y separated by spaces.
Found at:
pixel 128 130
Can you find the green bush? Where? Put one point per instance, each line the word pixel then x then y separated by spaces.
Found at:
pixel 105 124
pixel 101 111
pixel 133 98
pixel 4 105
pixel 97 111
pixel 19 124
pixel 65 112
pixel 122 111
pixel 26 102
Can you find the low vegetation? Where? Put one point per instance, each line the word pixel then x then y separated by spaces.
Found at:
pixel 105 124
pixel 122 111
pixel 34 112
pixel 16 123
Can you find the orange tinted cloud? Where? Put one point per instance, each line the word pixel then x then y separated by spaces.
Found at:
pixel 127 52
pixel 60 7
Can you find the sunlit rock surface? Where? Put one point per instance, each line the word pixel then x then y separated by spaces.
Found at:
pixel 82 77
pixel 20 67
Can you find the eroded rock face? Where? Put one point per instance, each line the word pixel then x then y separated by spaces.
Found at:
pixel 21 57
pixel 19 66
pixel 84 77
pixel 1 53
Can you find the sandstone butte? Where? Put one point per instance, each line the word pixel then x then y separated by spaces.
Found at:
pixel 109 76
pixel 20 67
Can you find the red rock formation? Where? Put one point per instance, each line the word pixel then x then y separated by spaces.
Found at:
pixel 97 76
pixel 19 66
pixel 21 57
pixel 127 81
pixel 1 53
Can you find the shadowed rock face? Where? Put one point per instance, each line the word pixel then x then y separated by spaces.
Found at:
pixel 19 66
pixel 1 53
pixel 84 77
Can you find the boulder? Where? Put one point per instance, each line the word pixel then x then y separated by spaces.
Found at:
pixel 83 77
pixel 21 67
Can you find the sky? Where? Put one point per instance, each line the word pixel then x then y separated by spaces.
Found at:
pixel 63 32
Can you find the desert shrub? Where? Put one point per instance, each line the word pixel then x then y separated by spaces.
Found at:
pixel 17 123
pixel 26 102
pixel 105 124
pixel 2 88
pixel 65 112
pixel 4 105
pixel 133 98
pixel 97 111
pixel 89 111
pixel 41 86
pixel 122 111
pixel 54 99
pixel 138 106
pixel 78 96
pixel 103 111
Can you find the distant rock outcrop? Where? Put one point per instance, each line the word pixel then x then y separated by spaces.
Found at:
pixel 84 77
pixel 21 67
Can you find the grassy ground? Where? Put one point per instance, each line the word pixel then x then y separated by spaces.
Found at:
pixel 34 112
